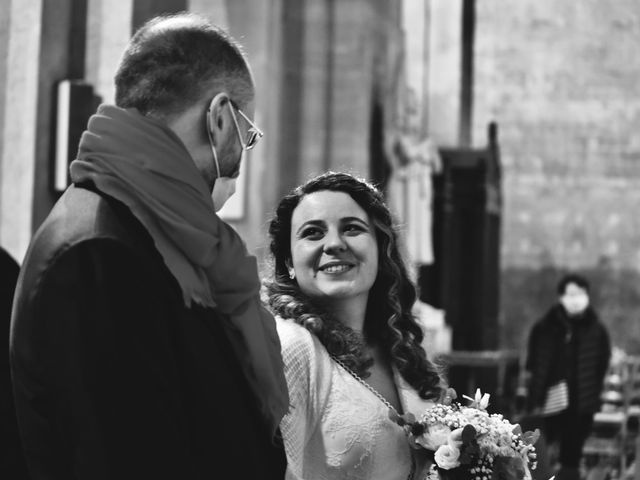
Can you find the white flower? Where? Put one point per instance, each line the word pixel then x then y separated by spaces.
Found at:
pixel 455 438
pixel 446 457
pixel 437 435
pixel 481 401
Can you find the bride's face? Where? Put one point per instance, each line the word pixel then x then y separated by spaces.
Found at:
pixel 334 249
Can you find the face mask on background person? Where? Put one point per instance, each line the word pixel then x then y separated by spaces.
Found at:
pixel 575 300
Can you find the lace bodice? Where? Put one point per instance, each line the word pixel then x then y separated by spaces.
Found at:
pixel 336 428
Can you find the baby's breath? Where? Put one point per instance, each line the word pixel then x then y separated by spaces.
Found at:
pixel 493 437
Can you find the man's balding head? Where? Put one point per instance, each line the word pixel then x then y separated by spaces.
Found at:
pixel 173 62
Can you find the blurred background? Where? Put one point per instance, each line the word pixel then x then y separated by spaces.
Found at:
pixel 506 134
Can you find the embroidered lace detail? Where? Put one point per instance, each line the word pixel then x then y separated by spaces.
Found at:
pixel 351 426
pixel 337 429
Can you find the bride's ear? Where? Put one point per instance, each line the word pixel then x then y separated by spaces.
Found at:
pixel 289 265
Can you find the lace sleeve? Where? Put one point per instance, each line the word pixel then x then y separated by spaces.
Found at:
pixel 300 368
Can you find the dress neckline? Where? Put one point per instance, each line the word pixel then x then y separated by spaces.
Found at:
pixel 373 390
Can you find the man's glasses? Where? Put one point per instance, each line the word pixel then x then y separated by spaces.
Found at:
pixel 253 134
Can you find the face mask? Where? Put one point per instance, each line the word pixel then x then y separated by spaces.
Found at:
pixel 223 187
pixel 575 304
pixel 222 191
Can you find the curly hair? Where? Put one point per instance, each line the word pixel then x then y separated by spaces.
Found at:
pixel 173 61
pixel 389 321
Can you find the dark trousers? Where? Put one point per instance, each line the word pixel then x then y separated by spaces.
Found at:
pixel 570 429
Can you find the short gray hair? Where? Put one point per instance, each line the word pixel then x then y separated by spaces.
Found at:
pixel 174 61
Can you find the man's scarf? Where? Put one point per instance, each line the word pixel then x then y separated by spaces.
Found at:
pixel 143 164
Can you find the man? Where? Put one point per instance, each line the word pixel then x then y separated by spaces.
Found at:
pixel 139 347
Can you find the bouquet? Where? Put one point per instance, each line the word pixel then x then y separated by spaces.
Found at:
pixel 469 443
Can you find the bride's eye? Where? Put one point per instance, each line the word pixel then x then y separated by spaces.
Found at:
pixel 354 228
pixel 312 233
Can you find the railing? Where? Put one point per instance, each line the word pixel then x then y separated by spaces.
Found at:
pixel 475 361
pixel 614 441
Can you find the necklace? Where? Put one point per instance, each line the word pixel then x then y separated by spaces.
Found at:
pixel 365 384
pixel 412 471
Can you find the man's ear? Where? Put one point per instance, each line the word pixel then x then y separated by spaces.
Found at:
pixel 218 117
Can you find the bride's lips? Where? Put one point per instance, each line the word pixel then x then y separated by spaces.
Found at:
pixel 336 267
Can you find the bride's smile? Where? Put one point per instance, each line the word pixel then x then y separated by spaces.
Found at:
pixel 333 247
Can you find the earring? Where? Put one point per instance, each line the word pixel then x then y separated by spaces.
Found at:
pixel 292 274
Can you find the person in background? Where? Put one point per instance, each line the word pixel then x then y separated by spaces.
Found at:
pixel 139 346
pixel 567 358
pixel 12 464
pixel 350 344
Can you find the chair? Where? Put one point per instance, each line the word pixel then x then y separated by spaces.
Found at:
pixel 613 441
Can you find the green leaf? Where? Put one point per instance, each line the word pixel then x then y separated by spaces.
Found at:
pixel 394 417
pixel 468 433
pixel 473 448
pixel 530 438
pixel 417 429
pixel 448 396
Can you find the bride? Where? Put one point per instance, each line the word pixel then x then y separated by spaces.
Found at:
pixel 350 345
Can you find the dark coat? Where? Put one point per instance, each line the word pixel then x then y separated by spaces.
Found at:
pixel 114 378
pixel 574 350
pixel 12 464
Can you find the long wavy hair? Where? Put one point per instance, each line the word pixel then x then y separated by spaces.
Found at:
pixel 389 321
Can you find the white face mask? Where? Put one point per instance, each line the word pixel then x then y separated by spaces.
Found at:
pixel 222 191
pixel 575 303
pixel 224 187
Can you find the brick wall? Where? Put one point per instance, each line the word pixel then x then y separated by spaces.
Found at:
pixel 562 79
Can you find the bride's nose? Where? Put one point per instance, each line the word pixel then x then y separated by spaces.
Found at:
pixel 334 242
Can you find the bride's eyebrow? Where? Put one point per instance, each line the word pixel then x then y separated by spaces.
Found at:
pixel 354 219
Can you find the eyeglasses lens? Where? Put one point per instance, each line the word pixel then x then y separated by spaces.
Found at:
pixel 252 138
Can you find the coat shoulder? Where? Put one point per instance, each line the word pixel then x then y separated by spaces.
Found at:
pixel 82 220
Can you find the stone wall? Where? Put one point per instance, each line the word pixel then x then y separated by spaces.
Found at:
pixel 562 80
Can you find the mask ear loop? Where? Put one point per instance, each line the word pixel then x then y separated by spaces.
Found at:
pixel 210 134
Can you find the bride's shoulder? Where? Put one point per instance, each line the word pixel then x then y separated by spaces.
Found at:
pixel 289 329
pixel 295 339
pixel 306 363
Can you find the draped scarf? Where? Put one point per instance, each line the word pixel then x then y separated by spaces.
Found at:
pixel 142 163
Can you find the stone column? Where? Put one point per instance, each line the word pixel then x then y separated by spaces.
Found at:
pixel 445 73
pixel 355 26
pixel 19 71
pixel 414 17
pixel 215 10
pixel 5 17
pixel 108 31
pixel 257 26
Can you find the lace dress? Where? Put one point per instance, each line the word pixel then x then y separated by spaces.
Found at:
pixel 336 428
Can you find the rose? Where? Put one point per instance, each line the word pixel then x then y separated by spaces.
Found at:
pixel 446 457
